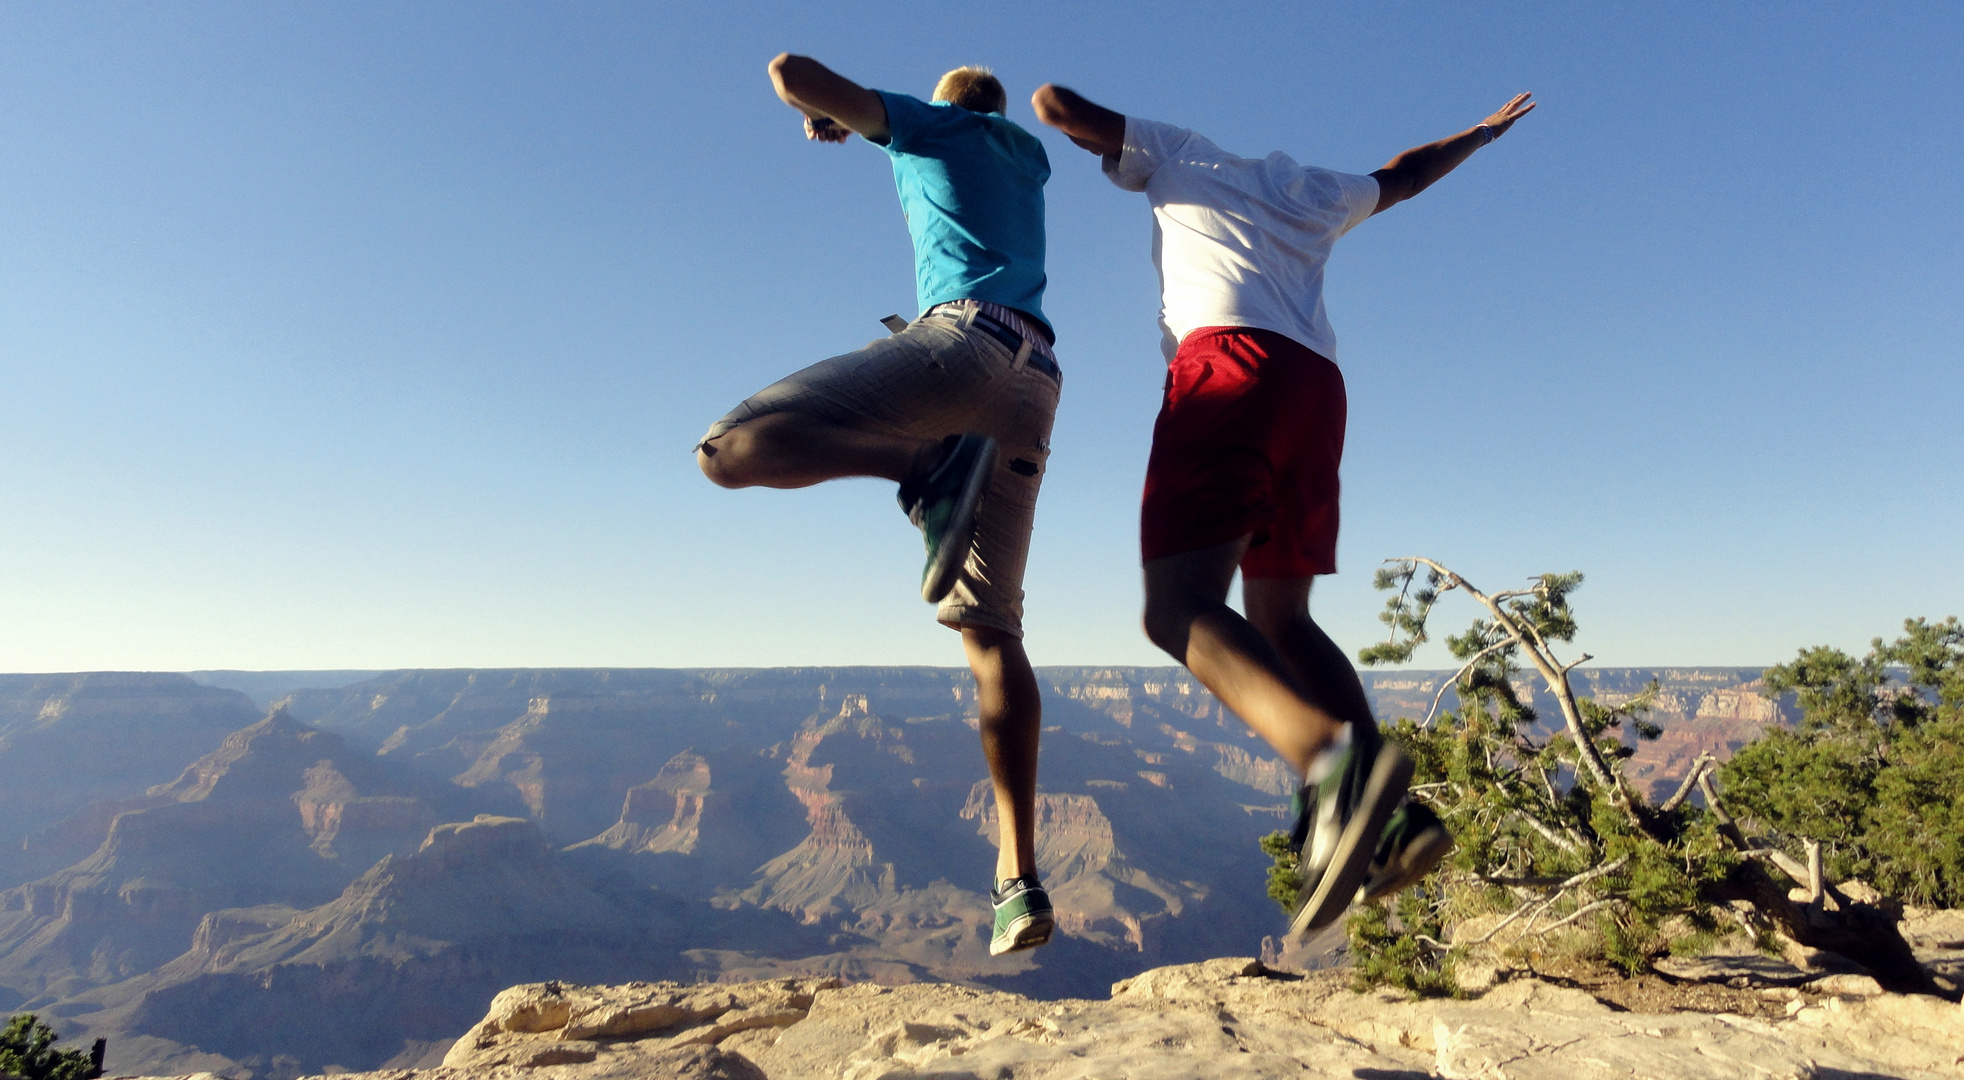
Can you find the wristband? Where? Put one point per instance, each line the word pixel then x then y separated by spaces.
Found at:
pixel 1487 130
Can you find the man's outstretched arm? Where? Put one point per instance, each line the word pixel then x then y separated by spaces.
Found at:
pixel 1091 126
pixel 834 106
pixel 1414 170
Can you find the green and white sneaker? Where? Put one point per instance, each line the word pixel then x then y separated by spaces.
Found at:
pixel 1414 842
pixel 1343 820
pixel 1023 916
pixel 943 505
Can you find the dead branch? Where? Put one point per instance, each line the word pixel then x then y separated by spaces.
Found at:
pixel 1454 681
pixel 1523 882
pixel 1403 591
pixel 1502 924
pixel 1698 767
pixel 1728 828
pixel 1577 914
pixel 1862 933
pixel 1537 652
pixel 1580 879
pixel 1548 833
pixel 1788 864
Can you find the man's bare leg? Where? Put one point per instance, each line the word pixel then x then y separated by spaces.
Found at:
pixel 1286 701
pixel 790 450
pixel 1279 608
pixel 1011 710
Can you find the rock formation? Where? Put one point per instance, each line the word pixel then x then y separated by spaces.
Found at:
pixel 279 813
pixel 293 900
pixel 70 740
pixel 410 951
pixel 1221 1018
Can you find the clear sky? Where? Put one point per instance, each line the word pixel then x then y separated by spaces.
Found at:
pixel 377 335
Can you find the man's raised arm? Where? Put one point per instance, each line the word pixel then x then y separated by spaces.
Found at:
pixel 834 106
pixel 1091 126
pixel 1414 170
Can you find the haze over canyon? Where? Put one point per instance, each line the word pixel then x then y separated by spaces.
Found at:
pixel 250 873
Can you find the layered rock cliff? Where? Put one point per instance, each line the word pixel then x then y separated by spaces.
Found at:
pixel 279 813
pixel 70 740
pixel 793 823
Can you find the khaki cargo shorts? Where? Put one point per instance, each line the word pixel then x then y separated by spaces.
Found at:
pixel 940 376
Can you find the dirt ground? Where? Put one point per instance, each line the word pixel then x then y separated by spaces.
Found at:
pixel 1659 993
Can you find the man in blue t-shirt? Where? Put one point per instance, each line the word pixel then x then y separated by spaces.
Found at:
pixel 955 407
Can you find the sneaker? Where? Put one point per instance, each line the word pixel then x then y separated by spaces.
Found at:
pixel 1414 842
pixel 1023 916
pixel 943 504
pixel 1345 815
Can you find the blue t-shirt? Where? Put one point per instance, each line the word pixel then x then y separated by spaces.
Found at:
pixel 971 185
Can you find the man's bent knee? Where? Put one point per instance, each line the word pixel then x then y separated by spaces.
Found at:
pixel 720 459
pixel 1169 626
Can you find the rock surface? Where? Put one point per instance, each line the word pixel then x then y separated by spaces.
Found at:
pixel 1222 1018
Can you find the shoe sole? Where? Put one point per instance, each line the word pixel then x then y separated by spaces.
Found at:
pixel 1431 847
pixel 1027 932
pixel 960 534
pixel 1391 775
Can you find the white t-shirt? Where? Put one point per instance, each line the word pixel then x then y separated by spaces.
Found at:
pixel 1239 241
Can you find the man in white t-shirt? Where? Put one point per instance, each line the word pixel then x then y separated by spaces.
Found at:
pixel 1243 473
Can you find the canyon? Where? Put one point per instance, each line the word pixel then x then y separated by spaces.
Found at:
pixel 281 878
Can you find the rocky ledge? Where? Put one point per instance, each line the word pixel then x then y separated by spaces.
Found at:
pixel 1223 1018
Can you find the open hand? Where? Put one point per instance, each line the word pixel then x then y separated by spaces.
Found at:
pixel 827 130
pixel 1508 113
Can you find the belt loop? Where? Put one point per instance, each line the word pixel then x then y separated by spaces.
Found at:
pixel 1022 356
pixel 969 308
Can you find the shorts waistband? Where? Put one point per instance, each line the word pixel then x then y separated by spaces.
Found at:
pixel 1007 327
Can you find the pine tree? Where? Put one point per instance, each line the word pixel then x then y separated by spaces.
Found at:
pixel 1551 833
pixel 27 1051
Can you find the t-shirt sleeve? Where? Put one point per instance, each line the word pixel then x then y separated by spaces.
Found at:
pixel 1148 145
pixel 907 118
pixel 1357 196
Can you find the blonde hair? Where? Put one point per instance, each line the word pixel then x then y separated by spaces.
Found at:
pixel 973 88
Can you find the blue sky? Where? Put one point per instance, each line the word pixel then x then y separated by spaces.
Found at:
pixel 376 335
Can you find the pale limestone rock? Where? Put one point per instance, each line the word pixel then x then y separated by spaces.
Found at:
pixel 1847 985
pixel 547 1024
pixel 1906 1031
pixel 1230 1018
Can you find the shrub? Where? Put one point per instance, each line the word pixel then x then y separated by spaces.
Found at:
pixel 1553 839
pixel 27 1051
pixel 1875 772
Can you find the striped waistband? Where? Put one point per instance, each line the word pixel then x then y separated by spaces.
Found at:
pixel 1009 327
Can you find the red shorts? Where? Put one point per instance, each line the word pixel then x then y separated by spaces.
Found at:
pixel 1249 437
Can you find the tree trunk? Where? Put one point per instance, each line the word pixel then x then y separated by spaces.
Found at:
pixel 1862 933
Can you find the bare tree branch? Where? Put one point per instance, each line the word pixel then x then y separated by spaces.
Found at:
pixel 1580 879
pixel 1454 681
pixel 1502 924
pixel 1788 865
pixel 1548 833
pixel 1522 882
pixel 1578 913
pixel 1698 767
pixel 1557 681
pixel 1403 591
